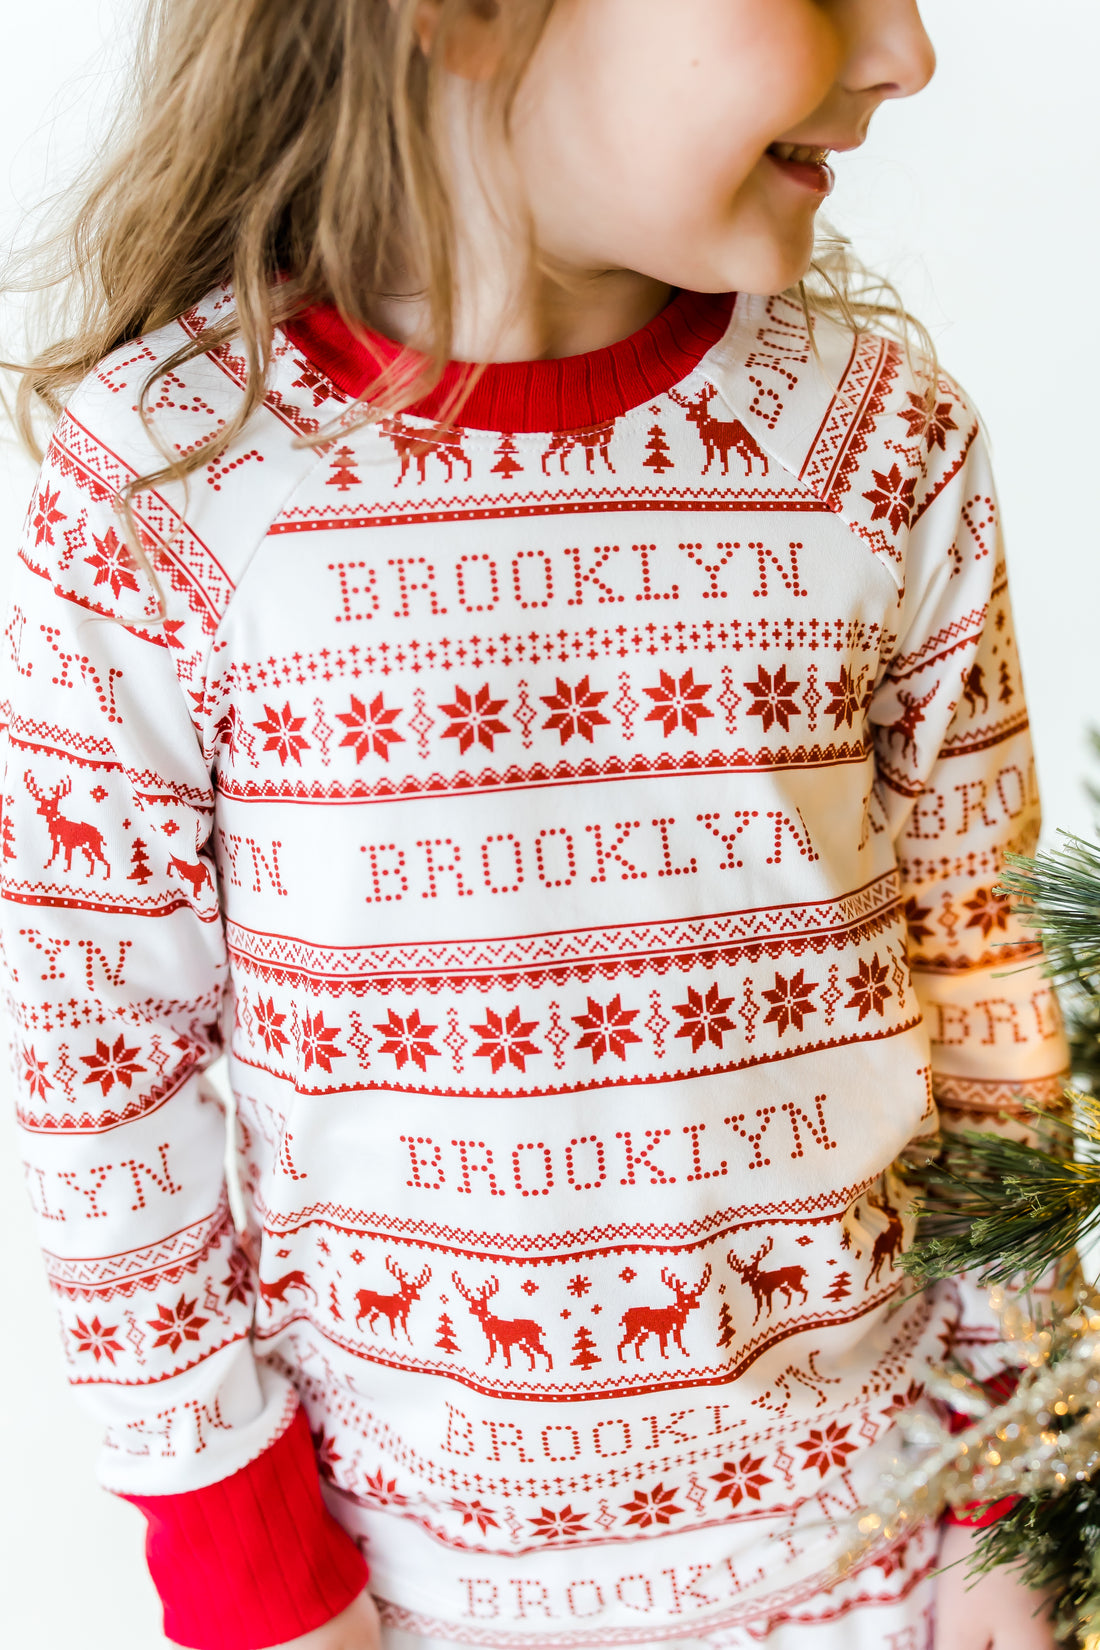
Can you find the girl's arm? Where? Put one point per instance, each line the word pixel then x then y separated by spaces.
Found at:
pixel 115 972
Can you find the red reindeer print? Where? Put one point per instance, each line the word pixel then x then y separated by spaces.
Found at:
pixel 67 834
pixel 720 436
pixel 393 1307
pixel 278 1288
pixel 503 1333
pixel 790 1280
pixel 910 719
pixel 596 440
pixel 888 1244
pixel 421 445
pixel 974 689
pixel 194 874
pixel 666 1322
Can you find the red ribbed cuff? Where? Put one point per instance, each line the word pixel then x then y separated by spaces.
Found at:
pixel 255 1559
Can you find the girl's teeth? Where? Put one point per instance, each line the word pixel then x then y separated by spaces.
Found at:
pixel 801 153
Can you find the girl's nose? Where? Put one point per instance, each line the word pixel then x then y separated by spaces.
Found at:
pixel 889 52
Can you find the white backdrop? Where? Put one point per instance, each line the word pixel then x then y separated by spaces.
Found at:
pixel 978 199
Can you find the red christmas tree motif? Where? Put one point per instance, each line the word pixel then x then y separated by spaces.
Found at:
pixel 657 447
pixel 268 1024
pixel 605 1028
pixel 555 1524
pixel 141 870
pixel 790 1000
pixel 840 1288
pixel 324 1448
pixel 869 988
pixel 727 1332
pixel 1007 692
pixel 893 496
pixel 649 1507
pixel 574 710
pixel 446 1332
pixel 111 1064
pixel 585 1347
pixel 774 698
pixel 474 718
pixel 706 1019
pixel 678 704
pixel 850 697
pixel 237 1282
pixel 176 1324
pixel 474 1513
pixel 34 1074
pixel 7 830
pixel 506 1039
pixel 408 1039
pixel 989 911
pixel 740 1480
pixel 932 423
pixel 113 563
pixel 345 474
pixel 507 460
pixel 370 730
pixel 97 1338
pixel 318 1043
pixel 916 919
pixel 46 515
pixel 286 738
pixel 825 1448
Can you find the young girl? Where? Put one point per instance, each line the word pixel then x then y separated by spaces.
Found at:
pixel 572 788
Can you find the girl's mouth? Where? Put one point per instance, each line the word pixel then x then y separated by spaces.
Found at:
pixel 804 164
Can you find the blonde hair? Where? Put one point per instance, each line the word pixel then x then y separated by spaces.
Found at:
pixel 291 149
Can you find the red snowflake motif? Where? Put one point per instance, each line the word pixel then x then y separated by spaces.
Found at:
pixel 849 697
pixel 97 1338
pixel 46 515
pixel 774 698
pixel 574 710
pixel 556 1524
pixel 893 496
pixel 657 1506
pixel 605 1028
pixel 237 1282
pixel 384 1491
pixel 408 1039
pixel 916 919
pixel 176 1324
pixel 370 730
pixel 506 1040
pixel 825 1448
pixel 109 1066
pixel 579 1287
pixel 113 563
pixel 790 1000
pixel 989 912
pixel 474 1513
pixel 706 1019
pixel 740 1480
pixel 869 988
pixel 319 1043
pixel 324 1448
pixel 905 1400
pixel 678 704
pixel 286 738
pixel 931 423
pixel 267 1026
pixel 34 1073
pixel 475 719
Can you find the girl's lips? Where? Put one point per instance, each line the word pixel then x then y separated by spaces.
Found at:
pixel 805 165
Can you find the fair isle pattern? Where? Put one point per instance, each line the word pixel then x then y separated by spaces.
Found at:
pixel 585 843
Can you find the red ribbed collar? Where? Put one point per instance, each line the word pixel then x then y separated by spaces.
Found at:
pixel 572 393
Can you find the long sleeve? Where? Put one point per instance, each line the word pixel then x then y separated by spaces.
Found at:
pixel 115 975
pixel 956 777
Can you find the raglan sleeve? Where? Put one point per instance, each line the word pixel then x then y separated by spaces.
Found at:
pixel 956 779
pixel 115 979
